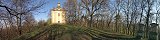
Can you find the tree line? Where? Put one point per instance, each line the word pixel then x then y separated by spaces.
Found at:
pixel 119 16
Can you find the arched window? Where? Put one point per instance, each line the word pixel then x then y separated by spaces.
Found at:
pixel 58 14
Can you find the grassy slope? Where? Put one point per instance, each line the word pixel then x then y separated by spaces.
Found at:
pixel 71 31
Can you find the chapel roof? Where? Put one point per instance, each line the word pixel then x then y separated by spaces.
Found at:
pixel 58 8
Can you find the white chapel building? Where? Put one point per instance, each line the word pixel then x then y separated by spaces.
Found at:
pixel 58 15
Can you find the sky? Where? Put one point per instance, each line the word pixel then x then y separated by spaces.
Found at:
pixel 44 13
pixel 46 9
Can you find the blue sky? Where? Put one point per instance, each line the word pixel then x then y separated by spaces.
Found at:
pixel 50 4
pixel 46 9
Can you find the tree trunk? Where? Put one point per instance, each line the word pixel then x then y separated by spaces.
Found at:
pixel 90 23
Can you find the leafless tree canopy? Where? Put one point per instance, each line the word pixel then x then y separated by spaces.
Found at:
pixel 116 16
pixel 122 16
pixel 16 16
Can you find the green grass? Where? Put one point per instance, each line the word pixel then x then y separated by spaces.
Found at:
pixel 64 29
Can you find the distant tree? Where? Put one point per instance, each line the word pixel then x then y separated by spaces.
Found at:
pixel 118 22
pixel 157 6
pixel 29 23
pixel 92 6
pixel 49 22
pixel 72 10
pixel 148 15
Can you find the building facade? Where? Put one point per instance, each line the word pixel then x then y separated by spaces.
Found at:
pixel 58 15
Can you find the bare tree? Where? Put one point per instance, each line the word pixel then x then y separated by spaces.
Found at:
pixel 72 10
pixel 19 8
pixel 92 6
pixel 15 13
